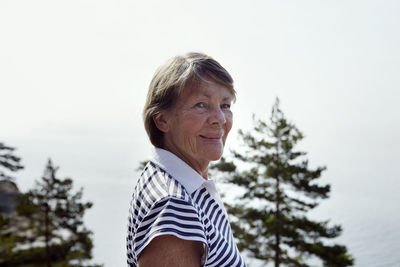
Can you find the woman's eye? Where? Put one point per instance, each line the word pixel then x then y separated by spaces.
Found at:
pixel 226 106
pixel 200 105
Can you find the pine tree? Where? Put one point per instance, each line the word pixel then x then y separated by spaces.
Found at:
pixel 8 161
pixel 8 240
pixel 51 229
pixel 8 197
pixel 279 188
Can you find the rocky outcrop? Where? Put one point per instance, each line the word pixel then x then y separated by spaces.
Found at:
pixel 8 196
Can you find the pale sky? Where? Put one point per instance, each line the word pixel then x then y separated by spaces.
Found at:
pixel 74 74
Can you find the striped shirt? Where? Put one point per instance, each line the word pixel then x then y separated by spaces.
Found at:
pixel 171 198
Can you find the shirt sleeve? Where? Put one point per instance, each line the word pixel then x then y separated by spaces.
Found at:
pixel 170 216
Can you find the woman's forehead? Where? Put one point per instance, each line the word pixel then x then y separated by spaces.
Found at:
pixel 209 90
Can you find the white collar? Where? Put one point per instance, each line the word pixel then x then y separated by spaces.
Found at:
pixel 177 168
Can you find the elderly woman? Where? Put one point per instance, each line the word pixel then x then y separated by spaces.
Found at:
pixel 176 216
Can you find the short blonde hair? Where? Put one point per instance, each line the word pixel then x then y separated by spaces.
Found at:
pixel 171 79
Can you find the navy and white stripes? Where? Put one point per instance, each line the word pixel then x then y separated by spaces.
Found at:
pixel 162 206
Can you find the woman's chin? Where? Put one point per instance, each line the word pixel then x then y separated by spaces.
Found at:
pixel 214 155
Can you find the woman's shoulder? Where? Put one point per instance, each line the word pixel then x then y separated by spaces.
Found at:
pixel 157 184
pixel 161 206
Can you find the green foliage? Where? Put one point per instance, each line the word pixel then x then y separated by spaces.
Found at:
pixel 279 188
pixel 142 165
pixel 8 161
pixel 48 229
pixel 7 240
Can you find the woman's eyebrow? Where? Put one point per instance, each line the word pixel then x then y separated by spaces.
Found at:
pixel 209 96
pixel 205 94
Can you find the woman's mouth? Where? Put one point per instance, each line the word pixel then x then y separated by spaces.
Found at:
pixel 211 136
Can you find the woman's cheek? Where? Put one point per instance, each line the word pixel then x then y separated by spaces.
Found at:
pixel 229 121
pixel 192 145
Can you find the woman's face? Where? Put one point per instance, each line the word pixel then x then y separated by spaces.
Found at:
pixel 196 129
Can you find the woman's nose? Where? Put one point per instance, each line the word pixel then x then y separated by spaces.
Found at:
pixel 217 116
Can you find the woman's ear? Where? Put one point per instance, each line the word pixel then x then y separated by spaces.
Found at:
pixel 161 122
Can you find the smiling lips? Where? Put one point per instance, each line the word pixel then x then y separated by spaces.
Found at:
pixel 212 136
